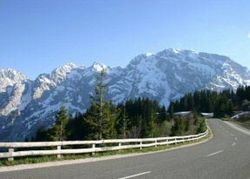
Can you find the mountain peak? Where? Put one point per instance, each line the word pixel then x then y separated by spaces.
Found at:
pixel 10 77
pixel 12 74
pixel 174 50
pixel 98 67
pixel 177 51
pixel 67 67
pixel 64 70
pixel 148 54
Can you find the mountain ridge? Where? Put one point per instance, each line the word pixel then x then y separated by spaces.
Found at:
pixel 26 105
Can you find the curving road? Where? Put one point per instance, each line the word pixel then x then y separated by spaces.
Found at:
pixel 227 156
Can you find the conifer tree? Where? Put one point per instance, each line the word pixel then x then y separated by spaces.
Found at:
pixel 94 117
pixel 110 114
pixel 101 117
pixel 100 99
pixel 58 131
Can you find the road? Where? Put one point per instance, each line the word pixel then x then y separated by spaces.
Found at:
pixel 227 156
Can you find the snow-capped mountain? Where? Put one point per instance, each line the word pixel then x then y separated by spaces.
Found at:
pixel 26 105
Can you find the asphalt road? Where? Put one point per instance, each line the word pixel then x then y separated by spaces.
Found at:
pixel 227 156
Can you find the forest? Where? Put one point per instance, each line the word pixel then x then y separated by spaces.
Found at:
pixel 222 104
pixel 142 117
pixel 135 118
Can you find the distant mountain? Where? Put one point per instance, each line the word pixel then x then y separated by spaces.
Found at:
pixel 26 105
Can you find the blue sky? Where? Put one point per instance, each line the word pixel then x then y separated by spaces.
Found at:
pixel 37 36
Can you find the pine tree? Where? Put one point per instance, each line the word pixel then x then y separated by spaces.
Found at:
pixel 162 114
pixel 58 131
pixel 101 117
pixel 111 114
pixel 100 99
pixel 41 135
pixel 76 128
pixel 124 117
pixel 92 122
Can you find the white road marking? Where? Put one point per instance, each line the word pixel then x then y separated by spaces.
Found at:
pixel 232 135
pixel 234 143
pixel 215 153
pixel 236 138
pixel 135 175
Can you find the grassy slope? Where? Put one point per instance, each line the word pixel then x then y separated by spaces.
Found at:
pixel 244 123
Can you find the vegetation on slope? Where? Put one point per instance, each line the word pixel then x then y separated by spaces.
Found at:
pixel 135 118
pixel 222 104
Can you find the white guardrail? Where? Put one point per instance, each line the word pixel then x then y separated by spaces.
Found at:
pixel 14 149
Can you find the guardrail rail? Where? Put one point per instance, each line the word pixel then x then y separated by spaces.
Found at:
pixel 20 149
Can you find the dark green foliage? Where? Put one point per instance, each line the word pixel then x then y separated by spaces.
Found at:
pixel 186 125
pixel 202 127
pixel 77 128
pixel 123 122
pixel 242 98
pixel 179 127
pixel 100 119
pixel 42 135
pixel 95 117
pixel 144 116
pixel 199 101
pixel 245 105
pixel 58 132
pixel 223 106
pixel 220 103
pixel 137 118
